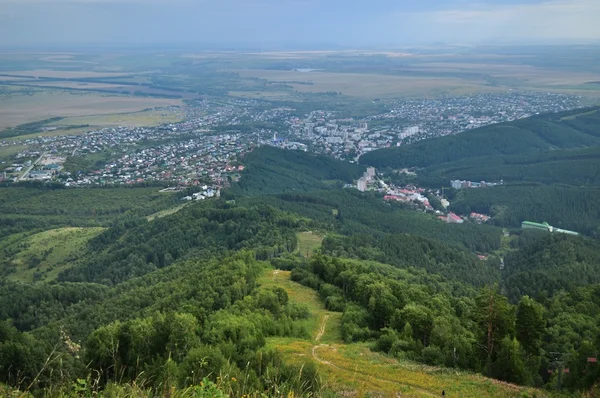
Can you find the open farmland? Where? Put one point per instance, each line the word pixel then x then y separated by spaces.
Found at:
pixel 369 85
pixel 20 109
pixel 63 74
pixel 153 117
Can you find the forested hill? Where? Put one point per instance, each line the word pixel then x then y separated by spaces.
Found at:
pixel 191 301
pixel 271 170
pixel 563 166
pixel 566 130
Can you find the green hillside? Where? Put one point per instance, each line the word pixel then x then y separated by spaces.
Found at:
pixel 572 167
pixel 568 130
pixel 567 207
pixel 40 257
pixel 290 285
pixel 272 170
pixel 550 263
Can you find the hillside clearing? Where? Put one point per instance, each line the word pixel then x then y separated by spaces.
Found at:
pixel 308 242
pixel 166 212
pixel 353 370
pixel 41 257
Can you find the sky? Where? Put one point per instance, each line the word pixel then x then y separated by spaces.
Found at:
pixel 348 23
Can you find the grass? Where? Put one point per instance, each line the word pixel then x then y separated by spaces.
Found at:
pixel 308 242
pixel 10 150
pixel 166 212
pixel 298 294
pixel 354 370
pixel 47 253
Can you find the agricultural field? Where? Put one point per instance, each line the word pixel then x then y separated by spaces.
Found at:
pixel 151 117
pixel 63 74
pixel 368 84
pixel 354 370
pixel 430 80
pixel 20 109
pixel 41 257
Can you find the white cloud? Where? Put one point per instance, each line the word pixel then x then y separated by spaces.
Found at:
pixel 553 19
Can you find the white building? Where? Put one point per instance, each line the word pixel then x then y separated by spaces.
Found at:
pixel 361 185
pixel 370 172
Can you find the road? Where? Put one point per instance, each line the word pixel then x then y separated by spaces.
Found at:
pixel 30 167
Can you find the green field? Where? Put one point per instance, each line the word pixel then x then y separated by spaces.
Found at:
pixel 40 257
pixel 308 242
pixel 354 370
pixel 166 212
pixel 10 150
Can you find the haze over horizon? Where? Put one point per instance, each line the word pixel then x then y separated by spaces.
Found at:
pixel 299 22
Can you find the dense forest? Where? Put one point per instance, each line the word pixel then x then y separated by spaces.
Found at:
pixel 561 206
pixel 179 302
pixel 270 170
pixel 567 130
pixel 577 167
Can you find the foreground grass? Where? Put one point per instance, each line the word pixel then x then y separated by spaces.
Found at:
pixel 353 370
pixel 42 256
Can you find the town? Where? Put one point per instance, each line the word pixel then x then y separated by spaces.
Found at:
pixel 414 197
pixel 206 147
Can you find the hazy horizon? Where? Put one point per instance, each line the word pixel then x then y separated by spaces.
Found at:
pixel 299 23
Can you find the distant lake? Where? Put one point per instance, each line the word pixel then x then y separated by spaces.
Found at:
pixel 304 70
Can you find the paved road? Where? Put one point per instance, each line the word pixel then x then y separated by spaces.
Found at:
pixel 31 167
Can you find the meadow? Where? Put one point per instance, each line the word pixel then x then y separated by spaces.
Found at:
pixel 308 242
pixel 42 256
pixel 354 370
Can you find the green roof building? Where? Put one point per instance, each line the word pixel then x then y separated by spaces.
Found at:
pixel 545 227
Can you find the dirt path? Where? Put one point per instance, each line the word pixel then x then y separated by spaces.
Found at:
pixel 355 371
pixel 317 338
pixel 322 328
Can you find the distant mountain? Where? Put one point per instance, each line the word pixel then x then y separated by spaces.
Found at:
pixel 567 130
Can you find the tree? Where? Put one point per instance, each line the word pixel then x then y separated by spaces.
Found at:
pixel 496 319
pixel 530 325
pixel 509 363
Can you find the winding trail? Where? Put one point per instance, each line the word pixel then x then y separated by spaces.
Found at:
pixel 356 371
pixel 317 338
pixel 322 328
